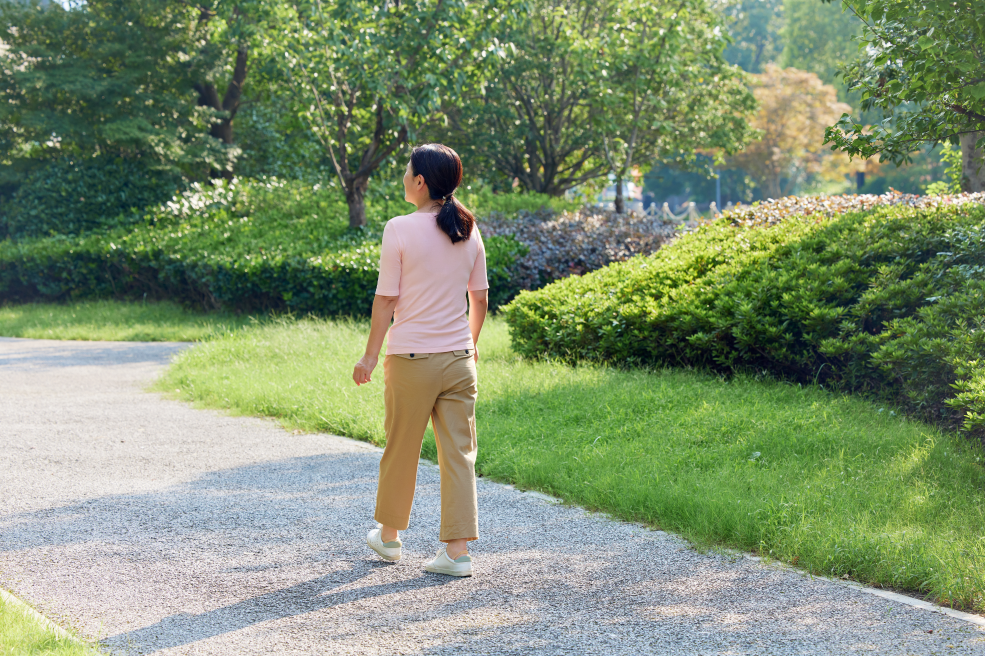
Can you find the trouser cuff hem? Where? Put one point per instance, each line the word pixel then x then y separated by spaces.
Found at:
pixel 392 521
pixel 471 534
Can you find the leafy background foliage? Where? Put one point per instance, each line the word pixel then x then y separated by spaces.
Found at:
pixel 924 69
pixel 114 78
pixel 72 195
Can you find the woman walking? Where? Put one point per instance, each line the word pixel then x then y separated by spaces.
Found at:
pixel 430 258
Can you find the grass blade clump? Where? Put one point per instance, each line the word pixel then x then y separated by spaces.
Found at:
pixel 23 634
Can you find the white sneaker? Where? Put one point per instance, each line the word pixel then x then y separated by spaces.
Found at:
pixel 389 550
pixel 460 566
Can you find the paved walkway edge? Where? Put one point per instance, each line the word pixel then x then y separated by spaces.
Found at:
pixel 882 593
pixel 16 603
pixel 979 620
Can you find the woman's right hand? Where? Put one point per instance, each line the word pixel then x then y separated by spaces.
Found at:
pixel 362 373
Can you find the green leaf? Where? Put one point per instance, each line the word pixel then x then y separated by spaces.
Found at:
pixel 977 92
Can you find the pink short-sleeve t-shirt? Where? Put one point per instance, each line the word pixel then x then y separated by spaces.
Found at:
pixel 429 276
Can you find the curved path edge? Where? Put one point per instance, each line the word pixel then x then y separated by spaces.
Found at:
pixel 14 602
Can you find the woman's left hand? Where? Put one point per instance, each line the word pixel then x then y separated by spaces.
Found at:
pixel 362 373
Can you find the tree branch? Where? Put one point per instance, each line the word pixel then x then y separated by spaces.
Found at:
pixel 230 102
pixel 971 114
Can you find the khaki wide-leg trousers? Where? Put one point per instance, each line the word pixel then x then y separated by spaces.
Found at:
pixel 441 387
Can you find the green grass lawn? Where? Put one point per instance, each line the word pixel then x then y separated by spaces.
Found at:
pixel 23 635
pixel 834 484
pixel 110 320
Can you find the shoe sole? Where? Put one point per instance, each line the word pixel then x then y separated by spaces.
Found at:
pixel 385 557
pixel 449 572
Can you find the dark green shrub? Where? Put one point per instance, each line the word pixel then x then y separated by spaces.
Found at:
pixel 71 196
pixel 887 302
pixel 502 254
pixel 251 246
pixel 244 245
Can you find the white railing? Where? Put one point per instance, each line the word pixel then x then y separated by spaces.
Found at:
pixel 690 212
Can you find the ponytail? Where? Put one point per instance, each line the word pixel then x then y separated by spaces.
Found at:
pixel 442 171
pixel 455 220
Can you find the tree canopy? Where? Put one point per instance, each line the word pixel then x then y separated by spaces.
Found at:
pixel 160 80
pixel 112 79
pixel 530 115
pixel 593 88
pixel 665 91
pixel 923 65
pixel 367 75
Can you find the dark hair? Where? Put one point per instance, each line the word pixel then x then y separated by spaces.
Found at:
pixel 442 171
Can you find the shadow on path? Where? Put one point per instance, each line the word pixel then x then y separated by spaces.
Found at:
pixel 327 591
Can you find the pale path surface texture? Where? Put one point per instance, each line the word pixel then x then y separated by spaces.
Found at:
pixel 155 527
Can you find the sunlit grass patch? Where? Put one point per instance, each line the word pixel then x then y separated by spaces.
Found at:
pixel 836 484
pixel 112 320
pixel 22 634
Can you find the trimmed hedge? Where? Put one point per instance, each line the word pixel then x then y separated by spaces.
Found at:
pixel 889 301
pixel 249 247
pixel 261 245
pixel 244 245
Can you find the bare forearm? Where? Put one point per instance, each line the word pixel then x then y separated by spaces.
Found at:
pixel 478 306
pixel 382 314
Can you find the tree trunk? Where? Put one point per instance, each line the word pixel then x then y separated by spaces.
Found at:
pixel 620 202
pixel 355 196
pixel 223 131
pixel 208 96
pixel 972 163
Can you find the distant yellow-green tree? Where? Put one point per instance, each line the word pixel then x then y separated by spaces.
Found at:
pixel 795 108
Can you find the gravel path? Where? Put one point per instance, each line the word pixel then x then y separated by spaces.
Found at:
pixel 156 527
